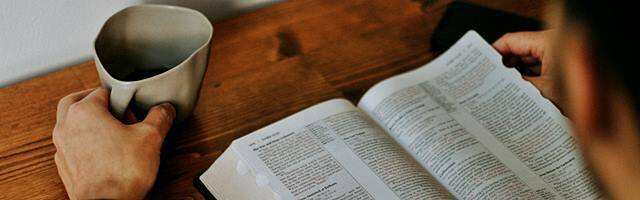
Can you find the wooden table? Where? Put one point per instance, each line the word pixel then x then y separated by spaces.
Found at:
pixel 264 66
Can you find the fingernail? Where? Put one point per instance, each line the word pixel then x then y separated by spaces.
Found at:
pixel 170 107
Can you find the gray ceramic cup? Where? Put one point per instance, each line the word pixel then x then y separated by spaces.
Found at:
pixel 151 54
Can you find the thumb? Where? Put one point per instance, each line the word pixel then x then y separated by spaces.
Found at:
pixel 161 117
pixel 544 85
pixel 537 82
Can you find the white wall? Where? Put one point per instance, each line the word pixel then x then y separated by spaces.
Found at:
pixel 40 36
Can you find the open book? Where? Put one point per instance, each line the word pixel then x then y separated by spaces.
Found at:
pixel 461 127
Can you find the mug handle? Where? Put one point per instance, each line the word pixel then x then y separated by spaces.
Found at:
pixel 119 100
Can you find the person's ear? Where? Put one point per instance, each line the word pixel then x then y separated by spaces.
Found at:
pixel 588 102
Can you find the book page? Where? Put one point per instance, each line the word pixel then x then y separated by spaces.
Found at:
pixel 480 129
pixel 334 151
pixel 229 179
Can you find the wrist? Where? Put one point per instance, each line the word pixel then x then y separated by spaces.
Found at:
pixel 135 188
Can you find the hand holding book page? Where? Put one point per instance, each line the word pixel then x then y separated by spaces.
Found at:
pixel 465 112
pixel 461 127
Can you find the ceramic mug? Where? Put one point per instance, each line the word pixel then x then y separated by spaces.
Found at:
pixel 150 54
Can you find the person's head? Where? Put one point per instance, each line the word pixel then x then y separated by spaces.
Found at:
pixel 594 49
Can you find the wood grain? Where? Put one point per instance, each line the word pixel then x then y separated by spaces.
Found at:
pixel 264 66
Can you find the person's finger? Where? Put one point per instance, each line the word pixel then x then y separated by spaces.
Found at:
pixel 545 85
pixel 534 80
pixel 521 44
pixel 529 60
pixel 130 117
pixel 65 102
pixel 161 117
pixel 99 96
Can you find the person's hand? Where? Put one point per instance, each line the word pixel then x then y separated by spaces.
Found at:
pixel 528 52
pixel 99 157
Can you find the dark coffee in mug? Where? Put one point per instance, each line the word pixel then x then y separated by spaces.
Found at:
pixel 143 74
pixel 132 60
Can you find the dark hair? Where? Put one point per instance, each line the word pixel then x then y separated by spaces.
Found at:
pixel 611 30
